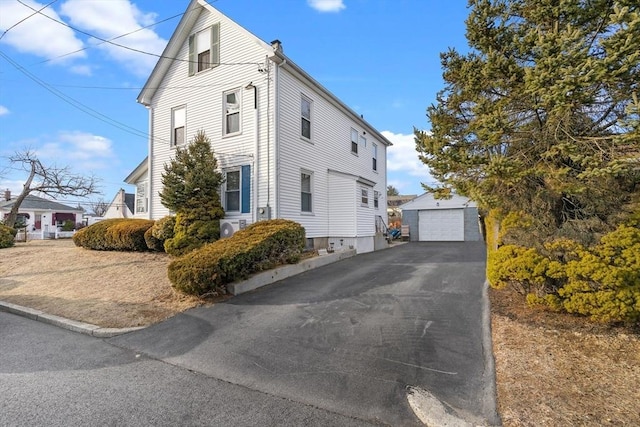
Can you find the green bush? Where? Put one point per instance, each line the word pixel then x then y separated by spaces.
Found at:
pixel 160 231
pixel 258 247
pixel 193 229
pixel 601 281
pixel 7 236
pixel 117 234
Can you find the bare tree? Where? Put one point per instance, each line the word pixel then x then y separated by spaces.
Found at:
pixel 100 207
pixel 48 180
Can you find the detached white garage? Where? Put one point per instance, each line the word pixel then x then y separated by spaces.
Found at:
pixel 440 220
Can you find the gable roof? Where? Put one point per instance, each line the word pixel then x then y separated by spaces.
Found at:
pixel 180 36
pixel 36 203
pixel 427 201
pixel 140 170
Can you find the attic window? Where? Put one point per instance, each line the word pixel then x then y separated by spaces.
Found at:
pixel 204 49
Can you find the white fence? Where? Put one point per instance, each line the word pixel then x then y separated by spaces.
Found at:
pixel 43 235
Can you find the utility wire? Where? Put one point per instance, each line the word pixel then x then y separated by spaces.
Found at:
pixel 24 19
pixel 123 46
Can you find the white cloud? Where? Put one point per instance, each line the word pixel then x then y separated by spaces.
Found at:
pixel 78 150
pixel 402 157
pixel 327 5
pixel 3 110
pixel 37 35
pixel 113 18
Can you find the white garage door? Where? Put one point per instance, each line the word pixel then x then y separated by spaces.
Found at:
pixel 441 225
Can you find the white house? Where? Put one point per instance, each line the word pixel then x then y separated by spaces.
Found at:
pixel 43 218
pixel 288 148
pixel 139 177
pixel 122 206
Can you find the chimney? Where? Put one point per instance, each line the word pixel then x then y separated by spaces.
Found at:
pixel 7 194
pixel 277 45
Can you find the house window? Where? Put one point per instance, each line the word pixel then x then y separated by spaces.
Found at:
pixel 305 113
pixel 178 121
pixel 363 141
pixel 232 192
pixel 376 197
pixel 204 49
pixel 142 201
pixel 232 112
pixel 375 157
pixel 306 192
pixel 237 190
pixel 354 141
pixel 364 197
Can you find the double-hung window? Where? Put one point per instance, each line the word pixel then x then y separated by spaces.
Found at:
pixel 305 117
pixel 363 141
pixel 204 49
pixel 232 191
pixel 232 112
pixel 178 122
pixel 306 191
pixel 364 197
pixel 142 201
pixel 375 157
pixel 354 141
pixel 376 197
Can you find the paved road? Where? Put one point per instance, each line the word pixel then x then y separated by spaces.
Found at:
pixel 350 338
pixel 54 377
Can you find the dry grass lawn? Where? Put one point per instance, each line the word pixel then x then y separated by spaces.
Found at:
pixel 552 370
pixel 109 289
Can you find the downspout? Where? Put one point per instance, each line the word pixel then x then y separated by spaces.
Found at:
pixel 277 137
pixel 150 164
pixel 256 157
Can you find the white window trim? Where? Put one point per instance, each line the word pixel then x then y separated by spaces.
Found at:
pixel 303 97
pixel 224 193
pixel 376 199
pixel 311 181
pixel 174 143
pixel 364 192
pixel 213 48
pixel 238 92
pixel 374 165
pixel 354 144
pixel 144 199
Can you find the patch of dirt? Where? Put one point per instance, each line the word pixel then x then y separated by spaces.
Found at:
pixel 105 288
pixel 555 369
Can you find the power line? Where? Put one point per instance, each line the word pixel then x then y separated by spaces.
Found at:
pixel 24 19
pixel 123 46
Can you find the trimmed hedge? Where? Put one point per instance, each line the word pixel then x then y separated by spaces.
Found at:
pixel 7 236
pixel 260 246
pixel 116 234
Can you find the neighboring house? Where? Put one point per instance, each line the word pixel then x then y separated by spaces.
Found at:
pixel 430 219
pixel 140 179
pixel 286 146
pixel 41 215
pixel 122 206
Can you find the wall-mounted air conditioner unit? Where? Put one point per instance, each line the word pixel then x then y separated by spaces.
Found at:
pixel 230 226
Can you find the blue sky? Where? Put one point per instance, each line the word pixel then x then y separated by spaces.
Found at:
pixel 72 98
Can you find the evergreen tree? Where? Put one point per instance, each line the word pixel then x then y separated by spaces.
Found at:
pixel 542 115
pixel 191 185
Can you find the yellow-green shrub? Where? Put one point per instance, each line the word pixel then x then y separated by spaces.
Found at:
pixel 160 231
pixel 194 228
pixel 116 234
pixel 260 246
pixel 7 236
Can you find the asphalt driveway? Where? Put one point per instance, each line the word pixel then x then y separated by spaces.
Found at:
pixel 352 337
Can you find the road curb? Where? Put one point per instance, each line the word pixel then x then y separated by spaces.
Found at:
pixel 61 322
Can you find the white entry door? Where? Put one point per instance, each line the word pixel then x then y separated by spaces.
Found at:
pixel 441 225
